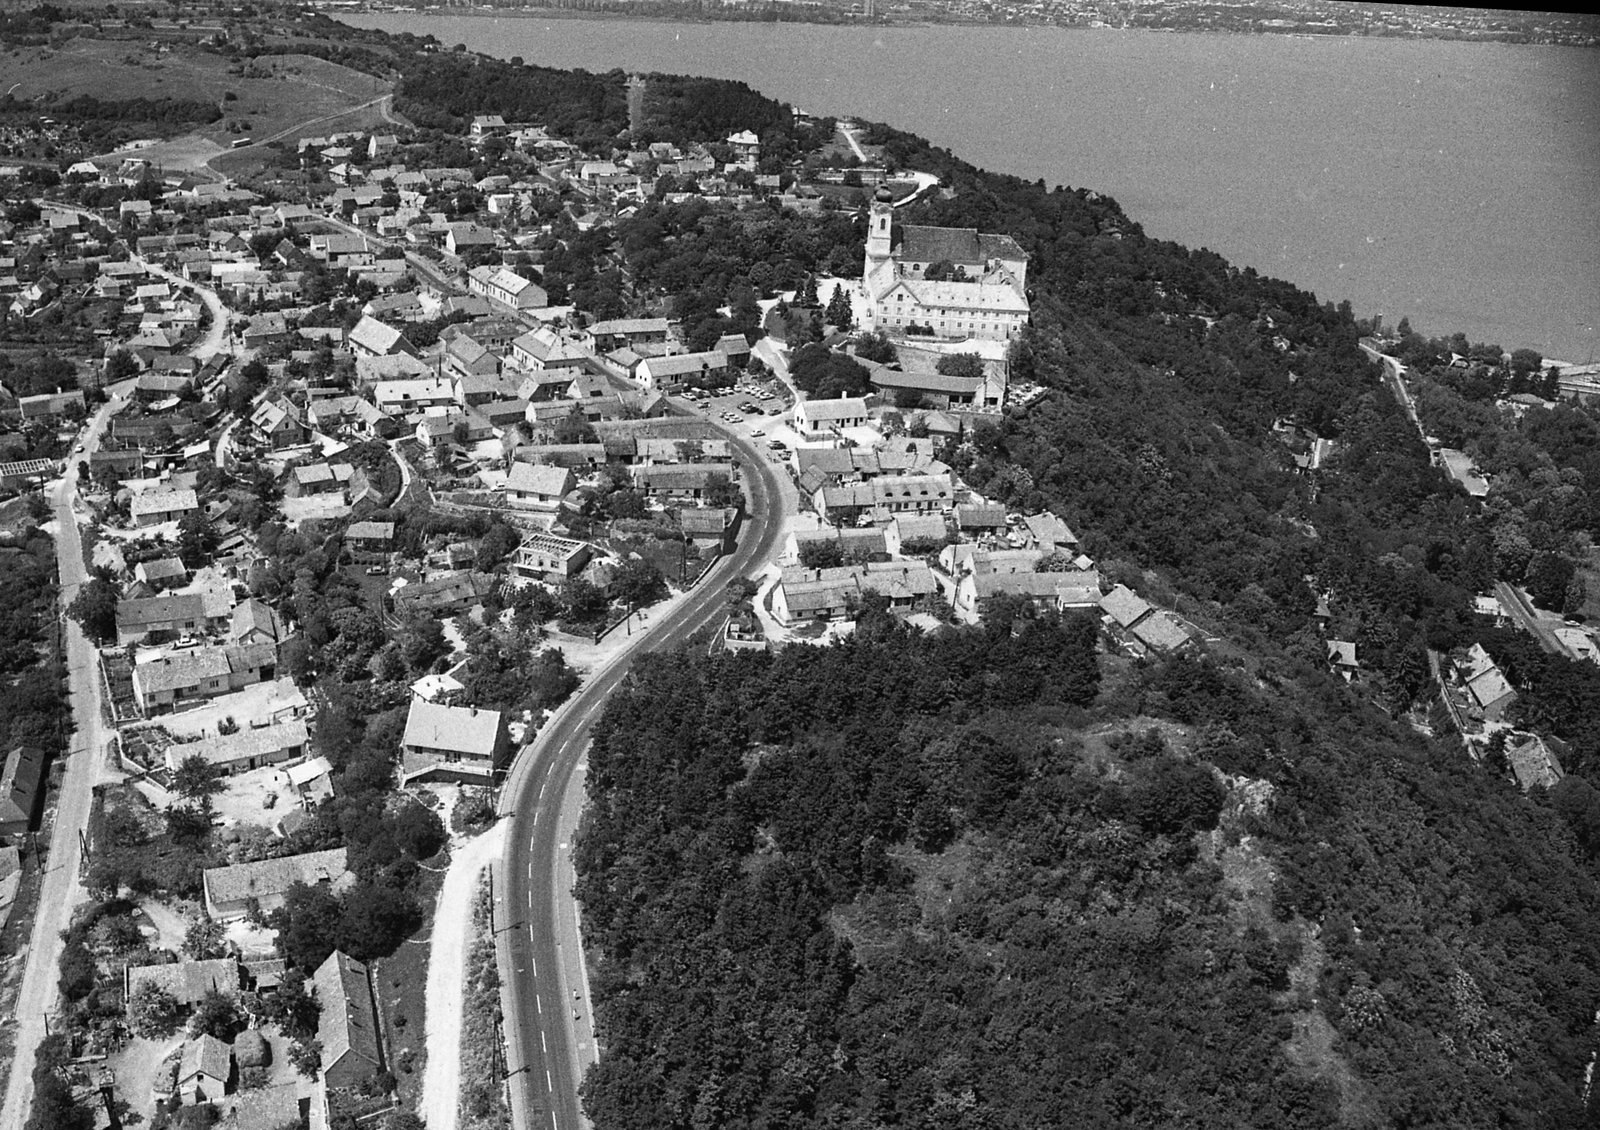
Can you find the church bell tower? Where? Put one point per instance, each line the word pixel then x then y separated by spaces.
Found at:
pixel 879 272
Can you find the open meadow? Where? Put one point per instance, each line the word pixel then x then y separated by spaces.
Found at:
pixel 263 99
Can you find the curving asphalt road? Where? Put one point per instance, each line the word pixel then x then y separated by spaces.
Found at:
pixel 544 994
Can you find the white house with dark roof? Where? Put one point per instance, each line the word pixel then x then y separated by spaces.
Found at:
pixel 505 286
pixel 815 419
pixel 673 370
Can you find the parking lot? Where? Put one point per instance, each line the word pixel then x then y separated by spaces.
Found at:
pixel 742 404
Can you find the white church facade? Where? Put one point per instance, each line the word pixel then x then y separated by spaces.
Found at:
pixel 978 290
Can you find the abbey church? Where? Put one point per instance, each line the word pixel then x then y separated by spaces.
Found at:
pixel 953 282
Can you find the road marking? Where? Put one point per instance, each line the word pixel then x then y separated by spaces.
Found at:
pixel 537 1003
pixel 530 875
pixel 549 1083
pixel 542 784
pixel 543 1043
pixel 553 1118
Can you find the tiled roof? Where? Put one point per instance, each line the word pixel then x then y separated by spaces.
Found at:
pixel 246 745
pixel 346 1024
pixel 271 878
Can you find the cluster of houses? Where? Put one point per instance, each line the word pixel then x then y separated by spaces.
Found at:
pixel 209 1070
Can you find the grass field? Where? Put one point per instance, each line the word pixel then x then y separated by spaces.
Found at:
pixel 273 95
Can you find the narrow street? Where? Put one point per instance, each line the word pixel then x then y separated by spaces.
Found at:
pixel 86 766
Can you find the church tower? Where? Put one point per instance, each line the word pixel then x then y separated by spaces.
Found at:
pixel 879 272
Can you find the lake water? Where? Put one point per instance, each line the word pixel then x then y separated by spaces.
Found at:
pixel 1455 183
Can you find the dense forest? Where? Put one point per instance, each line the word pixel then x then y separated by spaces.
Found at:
pixel 963 880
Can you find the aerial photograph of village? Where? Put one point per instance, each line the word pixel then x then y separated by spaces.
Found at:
pixel 602 599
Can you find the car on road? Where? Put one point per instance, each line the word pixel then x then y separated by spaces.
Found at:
pixel 775 444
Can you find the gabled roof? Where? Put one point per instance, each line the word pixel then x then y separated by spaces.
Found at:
pixel 254 616
pixel 372 334
pixel 346 1025
pixel 19 784
pixel 1124 606
pixel 206 1055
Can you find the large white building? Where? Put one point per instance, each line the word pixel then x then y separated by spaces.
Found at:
pixel 978 289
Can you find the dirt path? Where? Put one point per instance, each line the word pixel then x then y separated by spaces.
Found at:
pixel 447 963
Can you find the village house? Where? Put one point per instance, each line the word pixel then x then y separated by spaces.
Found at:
pixel 505 286
pixel 476 370
pixel 575 456
pixel 401 398
pixel 204 1069
pixel 671 372
pixel 229 891
pixel 277 422
pixel 542 349
pixel 161 573
pixel 319 478
pixel 249 748
pixel 1489 693
pixel 371 338
pixel 1342 659
pixel 619 332
pixel 1533 762
pixel 1138 626
pixel 815 419
pixel 254 622
pixel 20 791
pixel 347 1025
pixel 832 594
pixel 444 595
pixel 153 507
pixel 187 982
pixel 975 592
pixel 678 481
pixel 539 486
pixel 367 540
pixel 178 678
pixel 171 615
pixel 454 743
pixel 330 414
